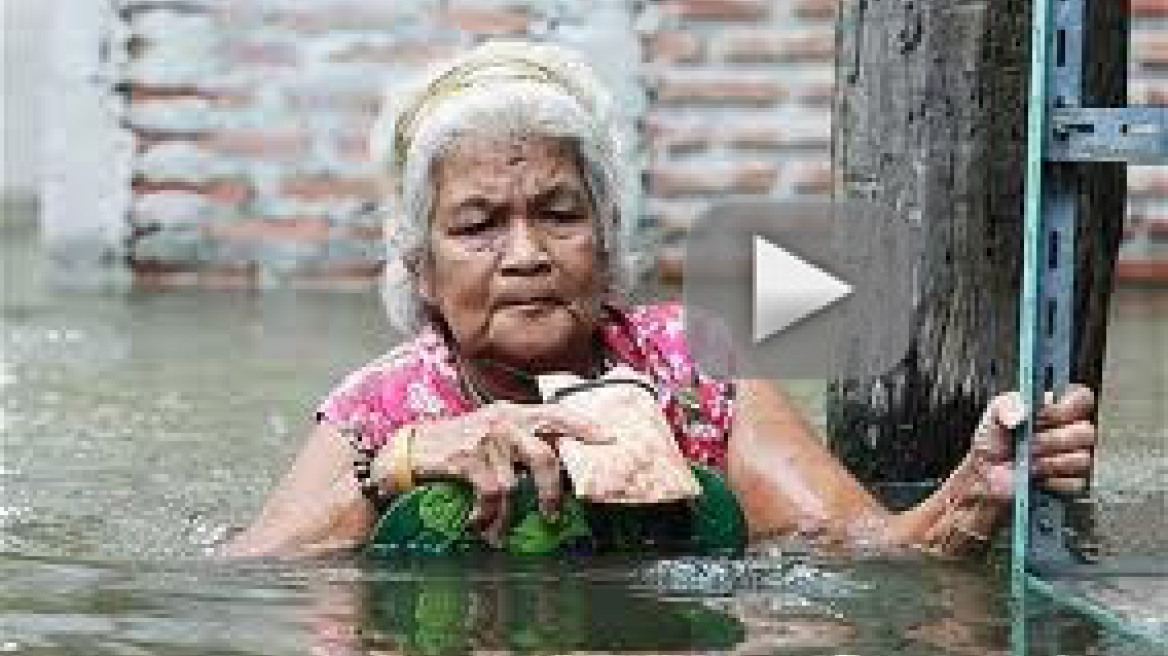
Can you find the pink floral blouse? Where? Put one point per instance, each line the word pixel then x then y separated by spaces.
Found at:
pixel 417 381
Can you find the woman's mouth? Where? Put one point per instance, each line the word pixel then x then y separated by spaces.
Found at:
pixel 540 301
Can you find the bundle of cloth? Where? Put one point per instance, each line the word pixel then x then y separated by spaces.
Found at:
pixel 635 493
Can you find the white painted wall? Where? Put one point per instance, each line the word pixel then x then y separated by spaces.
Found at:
pixel 24 28
pixel 64 144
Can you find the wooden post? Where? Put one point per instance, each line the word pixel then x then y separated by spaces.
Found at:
pixel 929 123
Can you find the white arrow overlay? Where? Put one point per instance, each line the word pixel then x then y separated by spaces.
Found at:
pixel 787 289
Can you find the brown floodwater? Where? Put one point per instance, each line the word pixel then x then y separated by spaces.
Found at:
pixel 138 429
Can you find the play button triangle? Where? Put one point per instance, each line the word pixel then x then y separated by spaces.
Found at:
pixel 788 289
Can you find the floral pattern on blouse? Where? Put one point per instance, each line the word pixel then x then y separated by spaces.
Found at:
pixel 418 381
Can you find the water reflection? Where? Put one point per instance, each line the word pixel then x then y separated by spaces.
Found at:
pixel 438 609
pixel 790 605
pixel 504 606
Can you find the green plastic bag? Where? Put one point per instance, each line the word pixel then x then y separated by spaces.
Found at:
pixel 432 520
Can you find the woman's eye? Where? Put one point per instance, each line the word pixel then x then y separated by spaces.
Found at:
pixel 562 216
pixel 471 228
pixel 471 223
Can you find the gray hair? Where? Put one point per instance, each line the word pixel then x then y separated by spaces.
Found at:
pixel 498 90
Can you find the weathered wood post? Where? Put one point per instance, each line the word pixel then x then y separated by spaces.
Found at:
pixel 929 123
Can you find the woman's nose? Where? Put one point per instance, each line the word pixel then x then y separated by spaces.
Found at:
pixel 523 251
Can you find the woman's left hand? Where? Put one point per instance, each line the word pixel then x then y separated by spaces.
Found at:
pixel 1064 443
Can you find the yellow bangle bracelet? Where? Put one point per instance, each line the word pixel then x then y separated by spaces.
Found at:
pixel 403 473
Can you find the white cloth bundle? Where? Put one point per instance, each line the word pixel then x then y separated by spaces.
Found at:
pixel 643 463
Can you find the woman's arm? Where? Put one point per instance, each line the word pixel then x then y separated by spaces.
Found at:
pixel 317 508
pixel 789 483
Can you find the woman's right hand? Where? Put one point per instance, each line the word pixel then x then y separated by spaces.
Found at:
pixel 484 446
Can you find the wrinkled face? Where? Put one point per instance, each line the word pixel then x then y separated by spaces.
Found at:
pixel 513 267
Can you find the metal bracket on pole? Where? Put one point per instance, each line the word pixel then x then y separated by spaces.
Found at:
pixel 1134 135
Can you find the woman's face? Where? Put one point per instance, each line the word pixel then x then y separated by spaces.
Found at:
pixel 513 267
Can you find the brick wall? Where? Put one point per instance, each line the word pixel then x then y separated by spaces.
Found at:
pixel 1145 252
pixel 248 125
pixel 741 103
pixel 246 121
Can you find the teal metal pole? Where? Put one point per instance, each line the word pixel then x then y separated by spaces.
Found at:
pixel 1029 364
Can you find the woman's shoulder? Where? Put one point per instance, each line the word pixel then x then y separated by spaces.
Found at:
pixel 670 327
pixel 664 321
pixel 654 336
pixel 410 381
pixel 658 314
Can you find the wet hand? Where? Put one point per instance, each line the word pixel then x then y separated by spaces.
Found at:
pixel 1064 443
pixel 483 448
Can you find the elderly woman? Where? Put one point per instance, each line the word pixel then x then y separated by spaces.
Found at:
pixel 508 261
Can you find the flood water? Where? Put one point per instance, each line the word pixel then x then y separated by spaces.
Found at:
pixel 138 429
